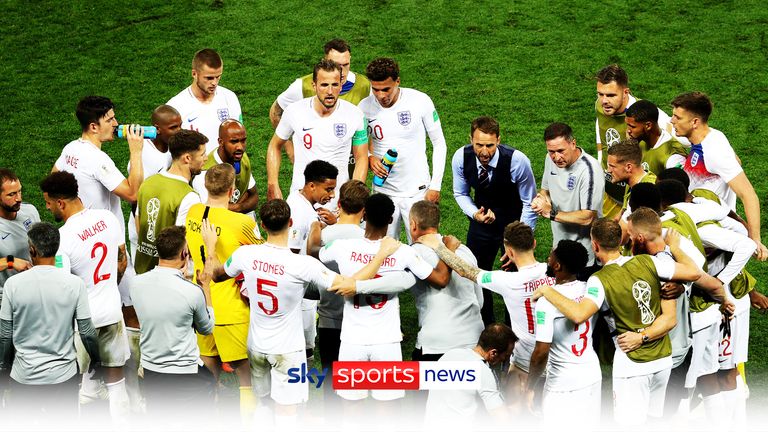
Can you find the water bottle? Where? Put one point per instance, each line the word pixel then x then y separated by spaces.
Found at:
pixel 150 132
pixel 388 161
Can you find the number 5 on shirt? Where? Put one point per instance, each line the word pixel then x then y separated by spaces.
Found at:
pixel 260 283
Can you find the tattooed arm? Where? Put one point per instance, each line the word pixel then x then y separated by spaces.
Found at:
pixel 453 261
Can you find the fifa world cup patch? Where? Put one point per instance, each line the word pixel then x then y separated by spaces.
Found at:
pixel 487 276
pixel 592 291
pixel 229 261
pixel 435 117
pixel 541 316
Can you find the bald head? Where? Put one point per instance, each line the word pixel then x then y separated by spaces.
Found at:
pixel 167 121
pixel 232 141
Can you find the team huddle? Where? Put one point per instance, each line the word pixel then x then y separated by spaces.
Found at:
pixel 217 290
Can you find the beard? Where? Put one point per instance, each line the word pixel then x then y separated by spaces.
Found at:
pixel 550 271
pixel 11 209
pixel 639 248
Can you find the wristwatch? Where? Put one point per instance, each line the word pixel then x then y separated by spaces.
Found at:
pixel 645 337
pixel 9 262
pixel 552 214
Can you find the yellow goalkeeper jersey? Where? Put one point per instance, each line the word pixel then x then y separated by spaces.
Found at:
pixel 234 230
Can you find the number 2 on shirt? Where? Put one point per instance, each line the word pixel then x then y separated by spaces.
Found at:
pixel 96 277
pixel 260 283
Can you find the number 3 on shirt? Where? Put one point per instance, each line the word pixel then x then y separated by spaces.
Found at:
pixel 582 337
pixel 260 283
pixel 96 277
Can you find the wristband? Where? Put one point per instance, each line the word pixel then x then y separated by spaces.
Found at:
pixel 9 262
pixel 552 214
pixel 645 337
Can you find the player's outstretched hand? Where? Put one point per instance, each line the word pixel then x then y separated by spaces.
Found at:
pixel 506 261
pixel 274 192
pixel 727 308
pixel 344 286
pixel 327 216
pixel 21 264
pixel 430 240
pixel 432 196
pixel 672 239
pixel 208 230
pixel 451 242
pixel 758 300
pixel 761 253
pixel 671 290
pixel 388 246
pixel 135 137
pixel 629 341
pixel 374 163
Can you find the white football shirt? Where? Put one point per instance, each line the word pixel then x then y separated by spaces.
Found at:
pixel 91 239
pixel 207 117
pixel 302 216
pixel 96 174
pixel 276 279
pixel 573 363
pixel 404 127
pixel 718 167
pixel 517 288
pixel 372 319
pixel 327 138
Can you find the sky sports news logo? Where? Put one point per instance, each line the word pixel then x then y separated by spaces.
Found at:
pixel 391 375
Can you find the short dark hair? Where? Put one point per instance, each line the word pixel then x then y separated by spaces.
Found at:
pixel 6 175
pixel 319 171
pixel 697 103
pixel 91 109
pixel 274 215
pixel 671 192
pixel 519 236
pixel 162 112
pixel 185 141
pixel 379 209
pixel 627 150
pixel 382 68
pixel 645 195
pixel 611 73
pixel 337 44
pixel 572 255
pixel 170 242
pixel 675 173
pixel 45 238
pixel 207 57
pixel 496 336
pixel 558 130
pixel 325 65
pixel 607 233
pixel 426 214
pixel 60 185
pixel 643 111
pixel 219 178
pixel 352 196
pixel 486 124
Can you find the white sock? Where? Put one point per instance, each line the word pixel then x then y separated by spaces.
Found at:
pixel 740 405
pixel 263 416
pixel 714 407
pixel 729 404
pixel 90 388
pixel 119 404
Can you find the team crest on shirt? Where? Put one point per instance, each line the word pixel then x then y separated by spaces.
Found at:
pixel 223 114
pixel 404 117
pixel 27 224
pixel 571 182
pixel 340 129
